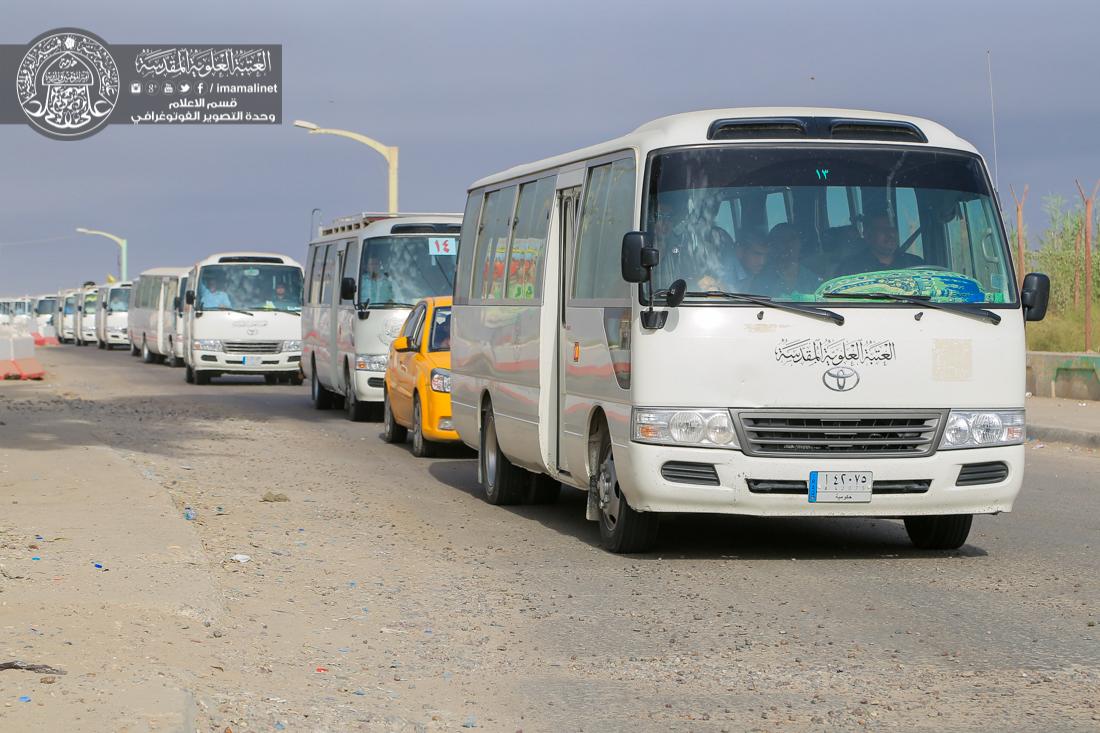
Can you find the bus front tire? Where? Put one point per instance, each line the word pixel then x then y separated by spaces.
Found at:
pixel 189 375
pixel 504 483
pixel 201 377
pixel 355 410
pixel 322 398
pixel 134 350
pixel 622 529
pixel 947 532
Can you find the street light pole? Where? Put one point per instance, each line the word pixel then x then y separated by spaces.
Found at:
pixel 389 152
pixel 122 255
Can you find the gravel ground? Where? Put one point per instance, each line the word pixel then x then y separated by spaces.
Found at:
pixel 384 594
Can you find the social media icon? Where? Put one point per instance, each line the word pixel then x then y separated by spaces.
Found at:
pixel 135 87
pixel 185 88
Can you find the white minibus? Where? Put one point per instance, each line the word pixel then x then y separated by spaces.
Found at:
pixel 152 320
pixel 787 312
pixel 45 310
pixel 111 324
pixel 66 316
pixel 87 312
pixel 243 315
pixel 366 273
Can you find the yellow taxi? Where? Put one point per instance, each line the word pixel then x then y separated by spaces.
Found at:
pixel 417 393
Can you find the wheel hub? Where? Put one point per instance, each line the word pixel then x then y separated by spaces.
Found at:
pixel 606 491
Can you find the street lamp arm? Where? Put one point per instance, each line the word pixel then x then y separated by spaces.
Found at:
pixel 117 240
pixel 384 150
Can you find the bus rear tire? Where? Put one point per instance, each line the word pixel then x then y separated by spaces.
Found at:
pixel 134 350
pixel 99 344
pixel 504 483
pixel 147 356
pixel 947 532
pixel 622 529
pixel 322 398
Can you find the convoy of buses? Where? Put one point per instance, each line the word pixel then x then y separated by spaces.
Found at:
pixel 781 312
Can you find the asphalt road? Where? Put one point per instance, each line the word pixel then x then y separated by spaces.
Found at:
pixel 514 618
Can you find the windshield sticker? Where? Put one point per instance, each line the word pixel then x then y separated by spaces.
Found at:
pixel 834 351
pixel 446 246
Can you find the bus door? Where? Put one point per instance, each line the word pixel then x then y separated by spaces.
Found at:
pixel 568 199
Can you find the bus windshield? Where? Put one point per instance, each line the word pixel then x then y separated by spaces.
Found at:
pixel 801 223
pixel 90 301
pixel 119 300
pixel 46 306
pixel 250 287
pixel 396 272
pixel 70 305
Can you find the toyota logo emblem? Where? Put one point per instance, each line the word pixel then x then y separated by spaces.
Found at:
pixel 841 378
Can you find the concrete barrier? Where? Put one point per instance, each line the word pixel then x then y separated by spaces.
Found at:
pixel 1073 376
pixel 17 356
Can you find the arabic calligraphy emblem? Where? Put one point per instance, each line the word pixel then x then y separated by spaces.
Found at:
pixel 67 84
pixel 840 379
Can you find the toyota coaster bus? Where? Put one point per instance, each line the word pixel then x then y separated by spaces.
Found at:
pixel 366 273
pixel 114 306
pixel 243 315
pixel 774 312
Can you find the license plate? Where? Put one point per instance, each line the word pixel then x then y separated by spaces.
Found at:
pixel 252 361
pixel 840 486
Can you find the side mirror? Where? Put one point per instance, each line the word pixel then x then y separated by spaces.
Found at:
pixel 635 257
pixel 103 305
pixel 189 297
pixel 347 288
pixel 176 303
pixel 401 343
pixel 1034 296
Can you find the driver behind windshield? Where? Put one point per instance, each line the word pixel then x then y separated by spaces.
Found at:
pixel 882 251
pixel 375 285
pixel 212 293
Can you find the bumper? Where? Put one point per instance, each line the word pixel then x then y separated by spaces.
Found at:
pixel 369 385
pixel 639 470
pixel 216 361
pixel 88 334
pixel 117 338
pixel 436 408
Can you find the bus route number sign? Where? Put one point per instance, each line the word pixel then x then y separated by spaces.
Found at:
pixel 443 246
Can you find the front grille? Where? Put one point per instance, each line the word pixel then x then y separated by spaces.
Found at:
pixel 973 474
pixel 685 472
pixel 878 488
pixel 252 347
pixel 839 432
pixel 376 382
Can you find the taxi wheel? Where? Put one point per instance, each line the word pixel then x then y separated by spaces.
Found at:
pixel 504 483
pixel 421 446
pixel 391 431
pixel 622 529
pixel 939 533
pixel 356 411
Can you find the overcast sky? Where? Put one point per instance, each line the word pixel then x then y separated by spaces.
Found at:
pixel 469 88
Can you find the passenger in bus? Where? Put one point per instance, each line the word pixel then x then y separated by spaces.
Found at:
pixel 701 252
pixel 882 251
pixel 787 272
pixel 211 294
pixel 376 286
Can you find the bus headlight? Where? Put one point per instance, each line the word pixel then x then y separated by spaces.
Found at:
pixel 292 345
pixel 983 428
pixel 371 362
pixel 702 428
pixel 206 345
pixel 441 380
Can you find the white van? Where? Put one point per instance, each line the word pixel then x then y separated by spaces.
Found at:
pixel 111 324
pixel 152 318
pixel 775 312
pixel 366 272
pixel 45 310
pixel 87 311
pixel 66 316
pixel 243 315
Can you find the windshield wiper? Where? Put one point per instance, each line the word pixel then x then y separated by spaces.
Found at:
pixel 227 308
pixel 969 311
pixel 806 310
pixel 388 304
pixel 279 310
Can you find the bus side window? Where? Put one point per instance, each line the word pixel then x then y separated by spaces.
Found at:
pixel 607 214
pixel 529 240
pixel 467 247
pixel 330 264
pixel 315 268
pixel 492 244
